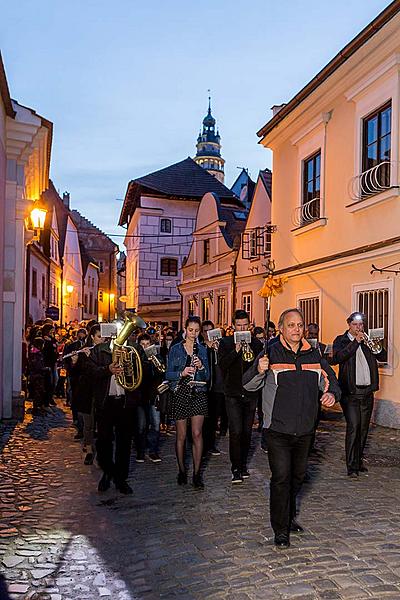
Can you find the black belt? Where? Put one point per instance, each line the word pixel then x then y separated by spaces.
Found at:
pixel 117 397
pixel 362 387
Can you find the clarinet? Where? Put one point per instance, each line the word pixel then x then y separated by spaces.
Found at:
pixel 194 355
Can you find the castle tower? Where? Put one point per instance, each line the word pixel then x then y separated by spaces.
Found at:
pixel 208 146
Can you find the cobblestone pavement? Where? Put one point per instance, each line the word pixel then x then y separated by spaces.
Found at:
pixel 61 540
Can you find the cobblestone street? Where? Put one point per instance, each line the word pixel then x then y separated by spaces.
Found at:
pixel 60 539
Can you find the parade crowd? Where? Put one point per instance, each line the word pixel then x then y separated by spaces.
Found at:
pixel 202 383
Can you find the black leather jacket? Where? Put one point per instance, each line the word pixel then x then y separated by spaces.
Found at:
pixel 233 366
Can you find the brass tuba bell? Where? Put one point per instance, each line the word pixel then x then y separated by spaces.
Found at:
pixel 128 357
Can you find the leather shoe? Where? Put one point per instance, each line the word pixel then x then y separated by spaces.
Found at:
pixel 104 483
pixel 353 475
pixel 296 527
pixel 282 540
pixel 363 469
pixel 124 488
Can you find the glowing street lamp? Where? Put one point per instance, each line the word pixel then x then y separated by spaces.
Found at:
pixel 69 288
pixel 36 219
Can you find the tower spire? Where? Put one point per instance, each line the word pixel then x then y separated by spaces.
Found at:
pixel 208 153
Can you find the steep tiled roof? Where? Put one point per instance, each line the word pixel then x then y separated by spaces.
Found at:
pixel 183 180
pixel 90 235
pixel 266 178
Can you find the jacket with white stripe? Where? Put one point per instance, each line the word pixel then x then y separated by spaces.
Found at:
pixel 290 387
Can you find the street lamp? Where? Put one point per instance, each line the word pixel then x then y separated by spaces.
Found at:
pixel 69 288
pixel 36 220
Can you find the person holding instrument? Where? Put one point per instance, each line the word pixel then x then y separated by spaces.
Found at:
pixel 240 404
pixel 358 379
pixel 188 373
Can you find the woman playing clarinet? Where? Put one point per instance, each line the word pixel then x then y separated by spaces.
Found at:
pixel 188 373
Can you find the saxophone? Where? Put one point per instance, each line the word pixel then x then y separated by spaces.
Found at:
pixel 128 357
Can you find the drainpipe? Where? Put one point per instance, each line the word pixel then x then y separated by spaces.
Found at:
pixel 28 281
pixel 233 285
pixel 326 117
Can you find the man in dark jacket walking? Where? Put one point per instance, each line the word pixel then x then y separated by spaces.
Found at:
pixel 240 403
pixel 115 413
pixel 358 379
pixel 290 379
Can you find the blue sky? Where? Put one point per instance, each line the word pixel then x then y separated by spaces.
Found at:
pixel 125 82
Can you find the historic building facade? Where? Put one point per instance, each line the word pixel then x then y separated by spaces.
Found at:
pixel 160 212
pixel 336 195
pixel 25 148
pixel 103 251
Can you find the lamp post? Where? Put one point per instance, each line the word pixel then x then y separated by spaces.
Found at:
pixel 35 223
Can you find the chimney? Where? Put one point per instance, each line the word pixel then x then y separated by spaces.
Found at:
pixel 66 199
pixel 276 108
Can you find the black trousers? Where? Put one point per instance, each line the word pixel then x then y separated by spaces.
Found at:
pixel 288 457
pixel 357 410
pixel 216 402
pixel 241 410
pixel 115 422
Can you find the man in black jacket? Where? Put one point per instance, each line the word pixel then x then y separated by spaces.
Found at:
pixel 290 379
pixel 240 404
pixel 115 413
pixel 358 379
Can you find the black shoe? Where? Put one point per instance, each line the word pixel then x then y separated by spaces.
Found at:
pixel 124 487
pixel 78 436
pixel 264 449
pixel 296 527
pixel 182 478
pixel 363 469
pixel 282 540
pixel 245 473
pixel 353 475
pixel 215 452
pixel 140 458
pixel 88 459
pixel 104 483
pixel 237 476
pixel 222 433
pixel 197 481
pixel 154 457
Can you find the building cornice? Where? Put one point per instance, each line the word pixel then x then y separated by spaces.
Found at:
pixel 347 52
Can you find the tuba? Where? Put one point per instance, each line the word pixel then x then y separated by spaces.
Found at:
pixel 128 357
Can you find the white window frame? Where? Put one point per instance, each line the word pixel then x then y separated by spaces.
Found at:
pixel 388 284
pixel 309 296
pixel 221 321
pixel 205 304
pixel 249 302
pixel 374 91
pixel 308 143
pixel 171 226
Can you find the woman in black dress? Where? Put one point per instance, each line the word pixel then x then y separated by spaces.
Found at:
pixel 188 373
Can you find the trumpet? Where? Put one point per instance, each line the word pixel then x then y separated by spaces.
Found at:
pixel 373 343
pixel 151 353
pixel 244 339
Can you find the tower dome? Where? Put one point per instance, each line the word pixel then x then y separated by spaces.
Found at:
pixel 208 146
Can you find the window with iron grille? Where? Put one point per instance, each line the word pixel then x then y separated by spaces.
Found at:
pixel 169 266
pixel 205 308
pixel 311 187
pixel 374 304
pixel 377 143
pixel 166 226
pixel 246 303
pixel 221 309
pixel 310 309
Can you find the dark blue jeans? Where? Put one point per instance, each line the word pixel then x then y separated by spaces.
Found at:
pixel 147 429
pixel 288 457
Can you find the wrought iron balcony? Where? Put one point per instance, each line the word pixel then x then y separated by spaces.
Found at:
pixel 307 213
pixel 374 180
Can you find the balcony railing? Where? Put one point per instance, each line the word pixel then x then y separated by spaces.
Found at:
pixel 307 213
pixel 373 181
